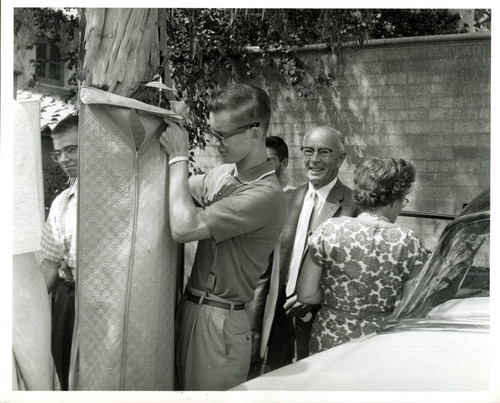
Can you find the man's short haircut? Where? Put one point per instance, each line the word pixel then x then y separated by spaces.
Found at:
pixel 278 145
pixel 252 104
pixel 68 123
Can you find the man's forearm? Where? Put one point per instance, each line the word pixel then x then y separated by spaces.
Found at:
pixel 185 223
pixel 50 270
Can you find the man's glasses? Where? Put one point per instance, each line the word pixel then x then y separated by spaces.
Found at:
pixel 404 202
pixel 240 130
pixel 69 151
pixel 322 152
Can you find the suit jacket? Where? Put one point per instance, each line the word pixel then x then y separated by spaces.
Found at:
pixel 339 202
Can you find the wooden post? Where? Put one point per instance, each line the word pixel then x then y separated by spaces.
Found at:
pixel 121 48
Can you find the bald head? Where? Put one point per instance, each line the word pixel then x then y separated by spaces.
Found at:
pixel 324 153
pixel 328 135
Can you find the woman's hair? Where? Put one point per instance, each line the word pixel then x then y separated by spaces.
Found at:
pixel 248 102
pixel 379 182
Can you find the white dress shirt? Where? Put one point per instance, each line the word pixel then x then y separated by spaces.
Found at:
pixel 313 203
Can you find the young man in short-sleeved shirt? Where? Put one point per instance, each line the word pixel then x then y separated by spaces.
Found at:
pixel 240 219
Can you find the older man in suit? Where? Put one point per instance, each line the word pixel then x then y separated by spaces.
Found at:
pixel 287 322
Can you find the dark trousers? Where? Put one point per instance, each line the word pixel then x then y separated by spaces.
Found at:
pixel 281 345
pixel 289 337
pixel 303 335
pixel 63 319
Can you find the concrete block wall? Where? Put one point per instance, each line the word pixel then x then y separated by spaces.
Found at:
pixel 425 99
pixel 428 102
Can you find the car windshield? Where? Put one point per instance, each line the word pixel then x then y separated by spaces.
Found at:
pixel 455 280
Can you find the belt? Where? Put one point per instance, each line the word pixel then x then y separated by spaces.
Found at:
pixel 67 285
pixel 67 281
pixel 195 298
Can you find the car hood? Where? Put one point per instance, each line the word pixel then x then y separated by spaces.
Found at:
pixel 420 360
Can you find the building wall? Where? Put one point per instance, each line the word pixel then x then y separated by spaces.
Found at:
pixel 24 62
pixel 425 99
pixel 23 58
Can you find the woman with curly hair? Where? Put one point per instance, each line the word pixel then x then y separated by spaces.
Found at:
pixel 357 268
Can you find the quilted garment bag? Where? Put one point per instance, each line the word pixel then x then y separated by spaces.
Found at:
pixel 127 261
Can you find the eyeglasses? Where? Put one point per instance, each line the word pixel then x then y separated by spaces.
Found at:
pixel 404 202
pixel 69 151
pixel 322 152
pixel 240 130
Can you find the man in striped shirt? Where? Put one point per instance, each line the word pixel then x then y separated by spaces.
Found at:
pixel 59 247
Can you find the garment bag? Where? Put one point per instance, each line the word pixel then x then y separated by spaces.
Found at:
pixel 127 261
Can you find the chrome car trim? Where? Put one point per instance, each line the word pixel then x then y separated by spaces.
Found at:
pixel 459 325
pixel 418 214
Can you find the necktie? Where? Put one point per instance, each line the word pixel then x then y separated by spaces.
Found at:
pixel 300 241
pixel 313 222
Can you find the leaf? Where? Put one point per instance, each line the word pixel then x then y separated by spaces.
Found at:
pixel 158 85
pixel 180 108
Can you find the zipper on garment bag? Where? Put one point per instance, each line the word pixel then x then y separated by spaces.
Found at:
pixel 130 268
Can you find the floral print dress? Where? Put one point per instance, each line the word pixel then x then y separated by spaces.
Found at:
pixel 365 262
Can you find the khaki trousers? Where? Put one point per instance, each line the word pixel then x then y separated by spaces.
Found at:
pixel 213 347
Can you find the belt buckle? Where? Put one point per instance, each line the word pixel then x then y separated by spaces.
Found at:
pixel 210 282
pixel 201 299
pixel 62 274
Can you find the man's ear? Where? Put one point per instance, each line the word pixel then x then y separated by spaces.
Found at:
pixel 341 159
pixel 257 133
pixel 284 163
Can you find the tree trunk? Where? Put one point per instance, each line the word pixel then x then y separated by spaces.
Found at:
pixel 121 48
pixel 124 335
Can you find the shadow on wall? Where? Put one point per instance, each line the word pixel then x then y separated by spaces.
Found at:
pixel 426 100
